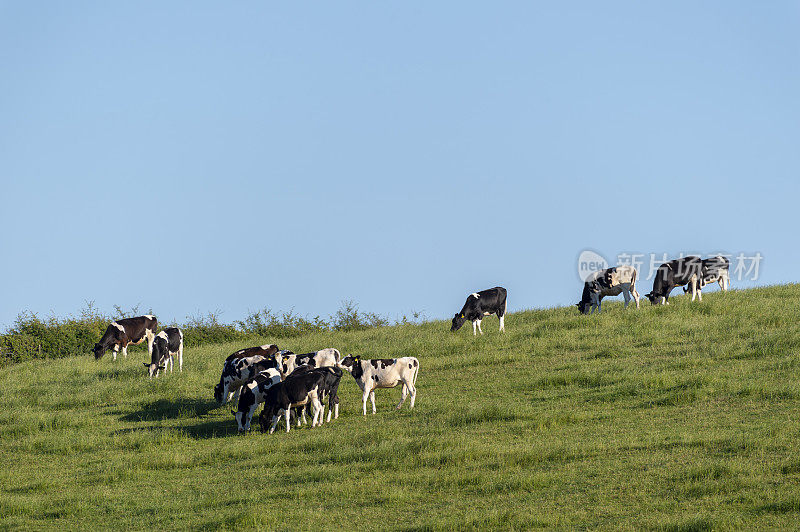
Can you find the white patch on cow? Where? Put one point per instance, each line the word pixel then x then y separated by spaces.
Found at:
pixel 150 316
pixel 118 326
pixel 476 295
pixel 266 346
pixel 163 334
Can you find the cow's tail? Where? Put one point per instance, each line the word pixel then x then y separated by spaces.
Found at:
pixel 633 281
pixel 416 371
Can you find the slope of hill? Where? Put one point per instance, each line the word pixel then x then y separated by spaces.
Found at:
pixel 682 417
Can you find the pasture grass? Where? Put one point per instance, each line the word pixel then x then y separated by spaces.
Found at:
pixel 666 418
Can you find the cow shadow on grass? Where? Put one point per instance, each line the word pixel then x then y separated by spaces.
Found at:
pixel 184 407
pixel 218 428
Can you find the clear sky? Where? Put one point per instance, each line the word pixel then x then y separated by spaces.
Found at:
pixel 228 156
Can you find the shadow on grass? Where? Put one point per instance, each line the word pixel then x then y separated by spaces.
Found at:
pixel 184 407
pixel 219 428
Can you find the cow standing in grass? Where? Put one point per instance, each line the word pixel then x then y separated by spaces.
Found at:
pixel 241 367
pixel 608 282
pixel 383 373
pixel 296 390
pixel 480 304
pixel 127 331
pixel 714 270
pixel 678 272
pixel 166 345
pixel 253 394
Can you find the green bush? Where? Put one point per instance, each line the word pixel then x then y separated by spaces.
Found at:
pixel 32 337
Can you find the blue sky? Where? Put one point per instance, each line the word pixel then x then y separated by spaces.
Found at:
pixel 202 156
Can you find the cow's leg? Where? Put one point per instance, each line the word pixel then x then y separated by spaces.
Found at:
pixel 413 389
pixel 151 337
pixel 474 329
pixel 693 285
pixel 275 420
pixel 502 324
pixel 635 297
pixel 180 357
pixel 479 327
pixel 125 351
pixel 236 393
pixel 403 394
pixel 627 295
pixel 114 352
pixel 336 410
pixel 316 409
pixel 372 400
pixel 364 400
pixel 287 419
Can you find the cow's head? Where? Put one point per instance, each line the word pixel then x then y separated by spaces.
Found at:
pixel 458 321
pixel 349 362
pixel 653 297
pixel 153 369
pixel 583 307
pixel 218 392
pixel 98 350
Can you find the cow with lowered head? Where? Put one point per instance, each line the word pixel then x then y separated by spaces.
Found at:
pixel 127 331
pixel 296 390
pixel 253 394
pixel 608 282
pixel 678 272
pixel 166 345
pixel 714 270
pixel 328 391
pixel 480 304
pixel 241 367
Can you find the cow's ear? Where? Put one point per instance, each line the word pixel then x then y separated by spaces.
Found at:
pixel 145 363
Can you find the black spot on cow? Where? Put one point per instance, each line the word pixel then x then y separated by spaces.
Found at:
pixel 416 363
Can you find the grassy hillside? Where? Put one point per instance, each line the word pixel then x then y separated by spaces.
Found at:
pixel 681 418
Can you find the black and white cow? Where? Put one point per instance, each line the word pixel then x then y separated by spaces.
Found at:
pixel 252 395
pixel 329 392
pixel 608 282
pixel 480 304
pixel 127 331
pixel 383 373
pixel 241 367
pixel 317 359
pixel 296 390
pixel 715 270
pixel 166 344
pixel 678 272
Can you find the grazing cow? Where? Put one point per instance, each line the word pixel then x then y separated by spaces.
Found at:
pixel 317 359
pixel 253 395
pixel 330 389
pixel 241 367
pixel 127 331
pixel 167 343
pixel 715 270
pixel 608 282
pixel 295 390
pixel 480 304
pixel 383 373
pixel 678 272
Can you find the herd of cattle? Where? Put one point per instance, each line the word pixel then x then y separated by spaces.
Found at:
pixel 286 382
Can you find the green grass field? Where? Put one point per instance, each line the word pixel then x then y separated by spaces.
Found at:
pixel 676 418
